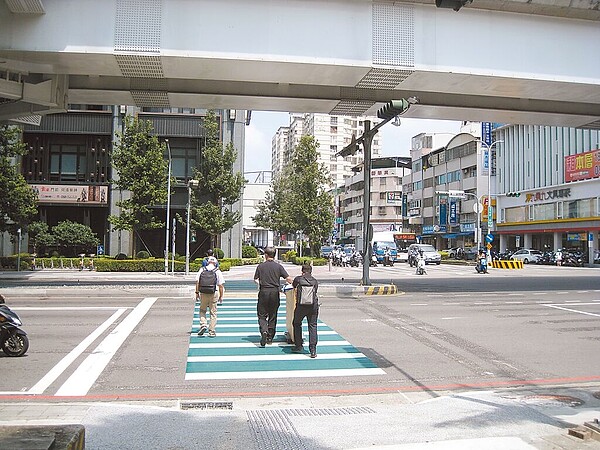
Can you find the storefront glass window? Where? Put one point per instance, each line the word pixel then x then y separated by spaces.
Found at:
pixel 517 214
pixel 544 211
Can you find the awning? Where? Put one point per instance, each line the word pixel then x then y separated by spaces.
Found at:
pixel 455 235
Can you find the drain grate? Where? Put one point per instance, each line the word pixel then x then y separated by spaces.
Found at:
pixel 206 405
pixel 273 429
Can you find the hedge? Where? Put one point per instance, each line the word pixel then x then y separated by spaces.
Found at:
pixel 313 261
pixel 146 265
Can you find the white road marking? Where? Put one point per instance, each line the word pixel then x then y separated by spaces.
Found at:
pixel 574 310
pixel 482 303
pixel 253 325
pixel 286 357
pixel 282 374
pixel 513 303
pixel 70 308
pixel 257 334
pixel 80 382
pixel 250 344
pixel 452 318
pixel 62 365
pixel 418 304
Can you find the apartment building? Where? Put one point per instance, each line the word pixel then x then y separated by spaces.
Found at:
pixel 332 133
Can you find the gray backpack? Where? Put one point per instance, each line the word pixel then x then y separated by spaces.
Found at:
pixel 306 294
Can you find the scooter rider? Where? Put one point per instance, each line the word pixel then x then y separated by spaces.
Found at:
pixel 420 263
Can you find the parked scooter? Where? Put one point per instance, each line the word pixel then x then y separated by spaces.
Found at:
pixel 13 340
pixel 421 264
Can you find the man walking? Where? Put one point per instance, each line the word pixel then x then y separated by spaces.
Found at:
pixel 307 305
pixel 267 276
pixel 209 277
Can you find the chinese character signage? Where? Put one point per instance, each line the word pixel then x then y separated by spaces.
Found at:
pixel 582 166
pixel 71 194
pixel 453 215
pixel 486 132
pixel 548 195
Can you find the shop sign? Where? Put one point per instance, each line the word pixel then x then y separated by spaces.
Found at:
pixel 553 194
pixel 582 166
pixel 413 212
pixel 576 236
pixel 394 197
pixel 453 215
pixel 431 229
pixel 71 194
pixel 467 227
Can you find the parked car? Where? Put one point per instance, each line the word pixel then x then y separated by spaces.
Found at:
pixel 430 254
pixel 527 255
pixel 326 251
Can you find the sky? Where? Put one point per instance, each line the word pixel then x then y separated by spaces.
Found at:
pixel 396 141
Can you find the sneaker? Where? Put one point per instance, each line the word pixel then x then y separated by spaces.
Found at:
pixel 313 353
pixel 202 330
pixel 212 334
pixel 297 349
pixel 263 339
pixel 269 341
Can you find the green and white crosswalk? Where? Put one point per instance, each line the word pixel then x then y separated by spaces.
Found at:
pixel 235 352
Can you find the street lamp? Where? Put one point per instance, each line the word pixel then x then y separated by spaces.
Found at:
pixel 490 222
pixel 191 184
pixel 168 210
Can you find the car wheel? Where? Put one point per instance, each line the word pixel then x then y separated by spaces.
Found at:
pixel 525 261
pixel 438 263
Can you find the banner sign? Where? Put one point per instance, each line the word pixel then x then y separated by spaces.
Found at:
pixel 453 215
pixel 582 166
pixel 486 132
pixel 394 197
pixel 443 213
pixel 71 194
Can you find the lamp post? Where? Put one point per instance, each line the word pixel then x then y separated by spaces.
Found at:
pixel 168 210
pixel 191 184
pixel 489 183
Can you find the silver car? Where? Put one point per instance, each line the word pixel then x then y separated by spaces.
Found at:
pixel 527 255
pixel 431 255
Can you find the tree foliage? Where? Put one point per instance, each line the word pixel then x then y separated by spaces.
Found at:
pixel 219 187
pixel 142 168
pixel 40 236
pixel 298 200
pixel 18 202
pixel 74 237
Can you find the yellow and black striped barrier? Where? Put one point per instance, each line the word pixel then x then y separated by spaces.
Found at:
pixel 508 264
pixel 389 289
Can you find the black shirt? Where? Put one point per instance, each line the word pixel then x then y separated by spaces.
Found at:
pixel 269 273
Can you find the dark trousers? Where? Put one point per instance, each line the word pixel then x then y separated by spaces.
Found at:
pixel 266 309
pixel 311 312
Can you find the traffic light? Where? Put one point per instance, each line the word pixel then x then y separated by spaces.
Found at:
pixel 513 194
pixel 393 108
pixel 452 4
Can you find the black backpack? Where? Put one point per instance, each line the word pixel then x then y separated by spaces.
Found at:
pixel 208 281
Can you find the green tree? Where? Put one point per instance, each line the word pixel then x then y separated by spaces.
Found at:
pixel 141 166
pixel 74 238
pixel 18 202
pixel 219 187
pixel 39 236
pixel 298 200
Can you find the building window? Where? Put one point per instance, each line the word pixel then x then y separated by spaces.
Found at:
pixel 382 210
pixel 428 182
pixel 68 163
pixel 382 196
pixel 382 181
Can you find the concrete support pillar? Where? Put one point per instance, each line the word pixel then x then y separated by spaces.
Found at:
pixel 503 243
pixel 527 241
pixel 557 241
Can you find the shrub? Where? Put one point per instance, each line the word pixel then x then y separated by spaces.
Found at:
pixel 249 252
pixel 146 265
pixel 142 254
pixel 232 261
pixel 120 256
pixel 313 261
pixel 289 256
pixel 219 254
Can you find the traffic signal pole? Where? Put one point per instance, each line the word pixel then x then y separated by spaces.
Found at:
pixel 387 113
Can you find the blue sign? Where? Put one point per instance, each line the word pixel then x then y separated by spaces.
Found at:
pixel 100 250
pixel 443 214
pixel 591 237
pixel 486 132
pixel 489 238
pixel 453 215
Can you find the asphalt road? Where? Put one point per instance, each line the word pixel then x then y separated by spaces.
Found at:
pixel 450 330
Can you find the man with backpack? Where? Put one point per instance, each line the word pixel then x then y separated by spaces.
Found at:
pixel 208 279
pixel 307 305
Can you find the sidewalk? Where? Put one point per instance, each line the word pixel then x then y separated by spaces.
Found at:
pixel 519 420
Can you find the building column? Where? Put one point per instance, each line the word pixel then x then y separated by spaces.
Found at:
pixel 503 243
pixel 527 239
pixel 557 241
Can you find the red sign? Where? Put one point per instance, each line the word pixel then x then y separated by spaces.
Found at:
pixel 582 166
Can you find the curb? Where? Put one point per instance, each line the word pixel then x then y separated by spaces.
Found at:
pixel 59 437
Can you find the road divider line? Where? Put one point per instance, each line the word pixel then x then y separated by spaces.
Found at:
pixel 80 382
pixel 574 310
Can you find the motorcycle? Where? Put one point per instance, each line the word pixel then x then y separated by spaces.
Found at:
pixel 482 265
pixel 387 259
pixel 13 340
pixel 421 266
pixel 355 259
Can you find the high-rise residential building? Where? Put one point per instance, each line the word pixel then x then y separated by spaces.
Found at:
pixel 332 133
